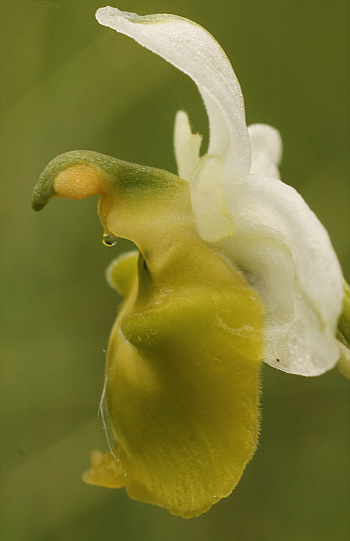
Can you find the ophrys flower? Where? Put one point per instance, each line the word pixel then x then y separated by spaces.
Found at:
pixel 232 268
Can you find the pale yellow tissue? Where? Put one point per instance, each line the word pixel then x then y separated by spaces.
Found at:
pixel 121 273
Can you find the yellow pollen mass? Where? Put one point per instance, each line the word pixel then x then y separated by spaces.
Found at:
pixel 79 181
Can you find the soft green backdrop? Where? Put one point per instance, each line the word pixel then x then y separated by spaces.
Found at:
pixel 68 83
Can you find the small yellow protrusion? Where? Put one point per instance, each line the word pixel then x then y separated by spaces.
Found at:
pixel 122 272
pixel 79 181
pixel 106 471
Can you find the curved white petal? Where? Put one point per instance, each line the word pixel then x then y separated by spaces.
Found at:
pixel 285 252
pixel 204 174
pixel 266 145
pixel 187 146
pixel 194 51
pixel 209 203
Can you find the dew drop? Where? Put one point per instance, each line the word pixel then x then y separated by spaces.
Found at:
pixel 109 240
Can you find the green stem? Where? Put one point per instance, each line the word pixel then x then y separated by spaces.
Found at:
pixel 344 320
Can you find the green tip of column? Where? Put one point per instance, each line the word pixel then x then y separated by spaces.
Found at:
pixel 45 187
pixel 43 192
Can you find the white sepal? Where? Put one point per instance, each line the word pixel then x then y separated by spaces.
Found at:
pixel 266 144
pixel 285 253
pixel 191 49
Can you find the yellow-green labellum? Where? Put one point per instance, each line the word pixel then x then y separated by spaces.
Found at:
pixel 182 391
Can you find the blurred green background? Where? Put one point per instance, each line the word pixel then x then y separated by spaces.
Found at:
pixel 68 83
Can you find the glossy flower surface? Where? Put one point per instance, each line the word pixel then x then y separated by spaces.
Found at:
pixel 232 268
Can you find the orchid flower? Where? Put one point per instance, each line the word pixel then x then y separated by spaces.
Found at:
pixel 232 268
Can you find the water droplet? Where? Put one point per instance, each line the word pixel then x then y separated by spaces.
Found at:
pixel 109 240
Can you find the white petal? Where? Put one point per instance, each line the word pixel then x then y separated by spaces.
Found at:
pixel 187 146
pixel 208 202
pixel 266 145
pixel 285 252
pixel 193 50
pixel 204 174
